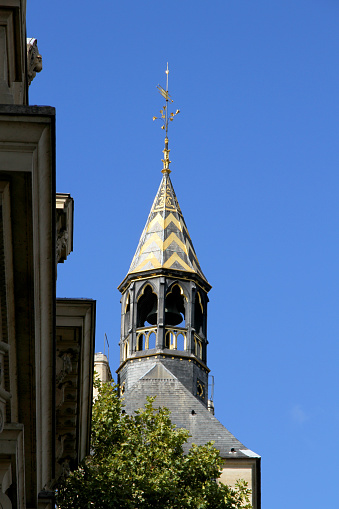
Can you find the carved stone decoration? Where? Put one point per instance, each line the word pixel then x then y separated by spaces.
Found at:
pixel 64 226
pixel 5 482
pixel 61 244
pixel 34 60
pixel 5 502
pixel 63 367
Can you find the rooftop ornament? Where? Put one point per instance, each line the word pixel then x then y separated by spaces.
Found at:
pixel 165 117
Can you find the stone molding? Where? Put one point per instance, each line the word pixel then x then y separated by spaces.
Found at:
pixel 75 329
pixel 27 162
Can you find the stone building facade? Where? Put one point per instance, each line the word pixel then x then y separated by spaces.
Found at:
pixel 46 344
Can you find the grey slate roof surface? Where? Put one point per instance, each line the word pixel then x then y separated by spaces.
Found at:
pixel 171 393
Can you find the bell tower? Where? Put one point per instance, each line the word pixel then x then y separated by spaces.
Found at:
pixel 163 340
pixel 164 295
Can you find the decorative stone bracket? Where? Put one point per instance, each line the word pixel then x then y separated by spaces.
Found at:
pixel 11 465
pixel 34 59
pixel 64 226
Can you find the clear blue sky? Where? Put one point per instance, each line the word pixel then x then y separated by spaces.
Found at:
pixel 255 168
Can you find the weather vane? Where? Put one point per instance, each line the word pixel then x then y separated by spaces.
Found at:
pixel 165 118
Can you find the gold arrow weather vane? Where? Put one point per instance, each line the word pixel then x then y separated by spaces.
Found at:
pixel 164 93
pixel 165 118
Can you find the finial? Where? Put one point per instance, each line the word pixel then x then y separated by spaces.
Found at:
pixel 165 118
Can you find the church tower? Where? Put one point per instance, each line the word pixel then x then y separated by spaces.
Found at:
pixel 164 300
pixel 163 341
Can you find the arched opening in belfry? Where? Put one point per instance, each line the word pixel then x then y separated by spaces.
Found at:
pixel 147 313
pixel 175 307
pixel 198 314
pixel 198 348
pixel 127 316
pixel 126 350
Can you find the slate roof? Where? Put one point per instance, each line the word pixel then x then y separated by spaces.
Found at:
pixel 165 241
pixel 186 411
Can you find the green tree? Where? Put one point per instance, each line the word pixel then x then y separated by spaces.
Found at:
pixel 138 463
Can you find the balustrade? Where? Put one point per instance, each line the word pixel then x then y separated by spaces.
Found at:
pixel 175 339
pixel 146 338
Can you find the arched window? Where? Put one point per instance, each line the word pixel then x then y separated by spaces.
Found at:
pixel 127 316
pixel 198 314
pixel 126 350
pixel 175 307
pixel 147 308
pixel 198 348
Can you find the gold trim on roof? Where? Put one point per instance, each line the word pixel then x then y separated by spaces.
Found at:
pixel 176 258
pixel 163 223
pixel 165 241
pixel 163 245
pixel 150 259
pixel 167 199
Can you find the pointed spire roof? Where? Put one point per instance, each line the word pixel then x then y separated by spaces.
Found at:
pixel 165 242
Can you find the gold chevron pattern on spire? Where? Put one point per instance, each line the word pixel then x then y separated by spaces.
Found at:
pixel 165 241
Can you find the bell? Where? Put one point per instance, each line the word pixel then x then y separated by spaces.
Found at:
pixel 172 313
pixel 152 316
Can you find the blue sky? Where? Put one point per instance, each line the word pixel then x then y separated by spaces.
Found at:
pixel 255 168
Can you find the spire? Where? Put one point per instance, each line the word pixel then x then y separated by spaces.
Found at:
pixel 165 118
pixel 165 243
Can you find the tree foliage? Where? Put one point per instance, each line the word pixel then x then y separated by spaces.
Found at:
pixel 137 462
